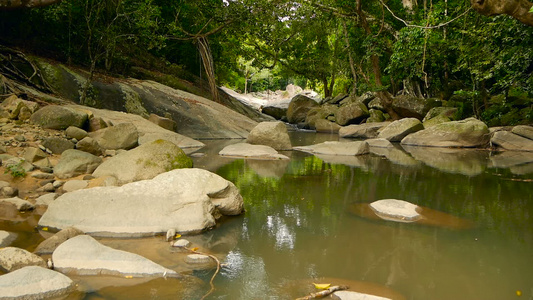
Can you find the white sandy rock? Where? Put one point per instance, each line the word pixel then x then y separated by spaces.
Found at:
pixel 83 255
pixel 396 210
pixel 34 283
pixel 12 258
pixel 188 200
pixel 246 150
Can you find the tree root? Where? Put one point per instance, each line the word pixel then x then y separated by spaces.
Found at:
pixel 212 289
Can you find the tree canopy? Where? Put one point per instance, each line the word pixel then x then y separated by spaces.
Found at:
pixel 426 48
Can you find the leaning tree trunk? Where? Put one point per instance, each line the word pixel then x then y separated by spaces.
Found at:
pixel 207 61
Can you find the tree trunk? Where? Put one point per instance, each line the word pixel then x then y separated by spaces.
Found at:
pixel 350 59
pixel 207 61
pixel 518 9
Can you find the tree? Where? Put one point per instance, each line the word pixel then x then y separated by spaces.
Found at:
pixel 12 4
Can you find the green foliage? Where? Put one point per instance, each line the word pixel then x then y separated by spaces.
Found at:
pixel 16 170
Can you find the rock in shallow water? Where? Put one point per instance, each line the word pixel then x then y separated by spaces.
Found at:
pixel 188 200
pixel 34 283
pixel 83 255
pixel 396 210
pixel 246 150
pixel 12 258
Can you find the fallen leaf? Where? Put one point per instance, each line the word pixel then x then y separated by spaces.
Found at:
pixel 129 276
pixel 322 286
pixel 194 249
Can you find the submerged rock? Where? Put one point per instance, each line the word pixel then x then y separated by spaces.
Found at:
pixel 83 255
pixel 188 200
pixel 396 210
pixel 336 148
pixel 34 283
pixel 246 150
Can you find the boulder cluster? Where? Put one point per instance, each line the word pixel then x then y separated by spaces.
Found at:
pixel 103 173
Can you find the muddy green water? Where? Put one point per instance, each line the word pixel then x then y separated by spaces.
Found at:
pixel 307 220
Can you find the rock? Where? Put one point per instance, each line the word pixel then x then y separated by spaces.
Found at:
pixel 363 131
pixel 397 130
pixel 250 151
pixel 375 116
pixel 6 238
pixel 379 143
pixel 46 199
pixel 326 126
pixel 188 200
pixel 32 154
pixel 273 134
pixel 48 187
pixel 121 136
pixel 436 120
pixel 412 107
pixel 298 108
pixel 12 258
pixel 83 255
pixel 58 117
pixel 181 243
pixel 396 210
pixel 144 162
pixel 42 175
pixel 12 105
pixel 97 123
pixel 89 145
pixel 24 113
pixel 376 104
pixel 49 245
pixel 75 162
pixel 9 191
pixel 21 205
pixel 510 141
pixel 337 148
pixel 166 123
pixel 523 131
pixel 448 112
pixel 45 165
pixel 198 259
pixel 320 113
pixel 75 133
pixel 508 159
pixel 57 145
pixel 74 185
pixel 465 133
pixel 34 283
pixel 352 113
pixel 350 295
pixel 274 111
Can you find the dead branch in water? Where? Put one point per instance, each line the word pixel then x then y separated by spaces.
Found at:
pixel 324 293
pixel 212 289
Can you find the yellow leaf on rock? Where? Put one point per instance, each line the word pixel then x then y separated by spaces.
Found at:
pixel 322 286
pixel 194 249
pixel 177 236
pixel 129 276
pixel 45 228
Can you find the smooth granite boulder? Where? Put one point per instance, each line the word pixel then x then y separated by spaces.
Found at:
pixel 83 255
pixel 59 117
pixel 363 131
pixel 187 200
pixel 144 162
pixel 273 134
pixel 13 258
pixel 510 141
pixel 399 129
pixel 465 133
pixel 75 162
pixel 34 283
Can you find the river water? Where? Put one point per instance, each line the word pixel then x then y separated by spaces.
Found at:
pixel 307 220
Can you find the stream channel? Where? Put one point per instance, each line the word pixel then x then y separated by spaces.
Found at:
pixel 307 220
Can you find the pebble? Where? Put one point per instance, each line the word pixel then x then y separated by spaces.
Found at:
pixel 181 243
pixel 197 259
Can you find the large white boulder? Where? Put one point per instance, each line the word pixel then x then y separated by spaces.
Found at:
pixel 187 200
pixel 83 255
pixel 34 283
